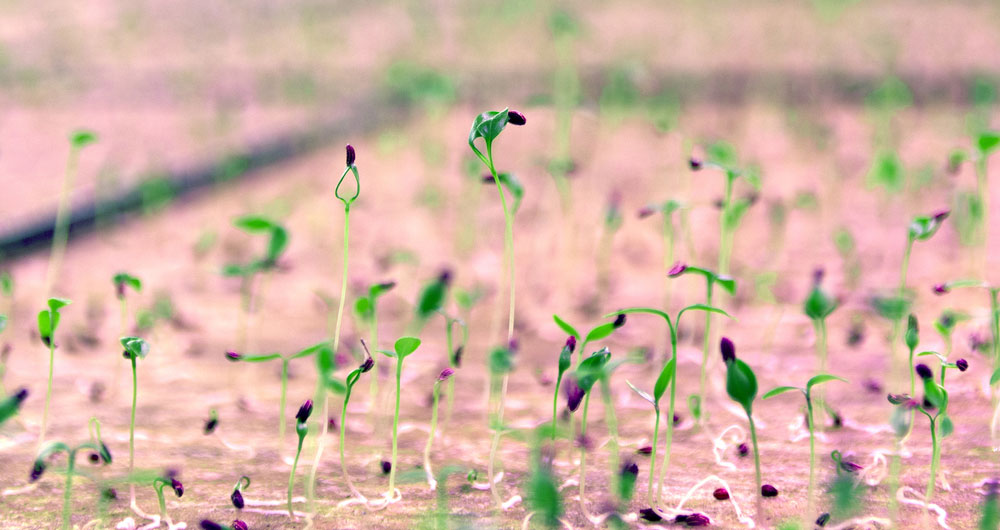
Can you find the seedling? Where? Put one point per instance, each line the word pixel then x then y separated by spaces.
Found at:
pixel 667 377
pixel 403 348
pixel 722 157
pixel 501 364
pixel 48 323
pixel 237 495
pixel 158 484
pixel 454 354
pixel 349 382
pixel 711 278
pixel 60 233
pixel 53 447
pixel 807 392
pixel 666 210
pixel 321 382
pixel 912 339
pixel 973 222
pixel 488 126
pixel 247 272
pixel 818 306
pixel 366 309
pixel 741 385
pixel 565 97
pixel 122 281
pixel 935 407
pixel 994 293
pixel 565 361
pixel 285 360
pixel 589 372
pixel 445 375
pixel 301 429
pixel 12 404
pixel 134 349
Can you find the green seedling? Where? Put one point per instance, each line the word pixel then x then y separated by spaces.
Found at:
pixel 590 371
pixel 543 497
pixel 667 377
pixel 48 323
pixel 60 233
pixel 236 497
pixel 711 279
pixel 961 365
pixel 247 272
pixel 565 361
pixel 722 157
pixel 432 299
pixel 990 518
pixel 972 211
pixel 349 382
pixel 501 364
pixel 403 348
pixel 366 309
pixel 285 361
pixel 122 281
pixel 912 338
pixel 321 382
pixel 301 429
pixel 488 126
pixel 134 348
pixel 807 392
pixel 565 30
pixel 741 385
pixel 11 404
pixel 847 248
pixel 158 484
pixel 935 407
pixel 454 354
pixel 51 448
pixel 443 376
pixel 818 306
pixel 668 233
pixel 994 292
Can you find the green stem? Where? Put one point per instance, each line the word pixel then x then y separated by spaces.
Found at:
pixel 811 502
pixel 451 362
pixel 60 234
pixel 819 325
pixel 162 501
pixel 583 449
pixel 131 428
pixel 291 477
pixel 724 233
pixel 555 403
pixel 652 460
pixel 373 386
pixel 508 241
pixel 612 421
pixel 756 464
pixel 48 390
pixel 321 389
pixel 430 437
pixel 893 484
pixel 497 431
pixel 281 406
pixel 913 380
pixel 935 459
pixel 905 266
pixel 343 461
pixel 706 344
pixel 68 493
pixel 670 414
pixel 395 428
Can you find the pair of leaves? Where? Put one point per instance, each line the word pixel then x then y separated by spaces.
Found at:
pixel 593 369
pixel 365 306
pixel 890 307
pixel 487 126
pixel 48 319
pixel 807 391
pixel 403 348
pixel 124 279
pixel 923 227
pixel 819 304
pixel 433 296
pixel 660 387
pixel 136 347
pixel 276 245
pixel 510 182
pixel 598 332
pixel 726 282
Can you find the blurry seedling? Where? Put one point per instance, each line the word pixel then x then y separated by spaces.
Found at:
pixel 432 300
pixel 158 484
pixel 403 348
pixel 807 392
pixel 935 407
pixel 668 233
pixel 994 293
pixel 847 248
pixel 51 448
pixel 11 404
pixel 972 213
pixel 990 519
pixel 301 429
pixel 236 497
pixel 285 360
pixel 741 385
pixel 321 382
pixel 122 281
pixel 565 361
pixel 134 349
pixel 711 279
pixel 612 223
pixel 247 272
pixel 60 233
pixel 488 126
pixel 667 377
pixel 443 376
pixel 501 364
pixel 349 382
pixel 48 323
pixel 565 31
pixel 366 309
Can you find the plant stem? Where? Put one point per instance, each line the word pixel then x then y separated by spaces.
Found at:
pixel 995 313
pixel 281 405
pixel 893 483
pixel 48 390
pixel 706 344
pixel 583 450
pixel 612 421
pixel 935 459
pixel 159 498
pixel 343 461
pixel 291 477
pixel 373 386
pixel 430 437
pixel 725 235
pixel 60 233
pixel 819 325
pixel 497 431
pixel 67 494
pixel 670 414
pixel 131 429
pixel 905 266
pixel 395 428
pixel 555 403
pixel 508 241
pixel 320 384
pixel 652 460
pixel 811 502
pixel 449 339
pixel 756 463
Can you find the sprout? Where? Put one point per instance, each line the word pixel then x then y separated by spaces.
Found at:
pixel 237 496
pixel 304 411
pixel 741 385
pixel 349 382
pixel 48 322
pixel 48 450
pixel 212 422
pixel 301 429
pixel 10 405
pixel 403 348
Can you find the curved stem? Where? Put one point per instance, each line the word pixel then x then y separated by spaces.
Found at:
pixel 812 463
pixel 159 498
pixel 291 477
pixel 706 344
pixel 395 428
pixel 60 233
pixel 612 421
pixel 935 459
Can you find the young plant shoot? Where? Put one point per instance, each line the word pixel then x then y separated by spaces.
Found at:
pixel 236 497
pixel 443 376
pixel 349 382
pixel 741 385
pixel 669 235
pixel 565 361
pixel 11 404
pixel 48 323
pixel 60 233
pixel 122 281
pixel 134 349
pixel 403 348
pixel 818 306
pixel 285 361
pixel 935 407
pixel 158 484
pixel 973 218
pixel 500 364
pixel 322 381
pixel 711 279
pixel 667 377
pixel 301 429
pixel 994 292
pixel 366 309
pixel 807 392
pixel 53 447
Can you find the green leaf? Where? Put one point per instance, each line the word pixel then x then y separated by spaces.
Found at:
pixel 694 404
pixel 487 126
pixel 326 362
pixel 727 283
pixel 501 361
pixel 936 394
pixel 432 298
pixel 254 223
pixel 565 359
pixel 647 310
pixel 995 377
pixel 703 307
pixel 664 379
pixel 947 427
pixel 822 378
pixel 312 349
pixel 277 244
pixel 234 270
pixel 82 138
pixel 912 335
pixel 600 332
pixel 642 393
pixel 900 421
pixel 543 496
pixel 6 283
pixel 406 345
pixel 55 304
pixel 779 390
pixel 44 324
pixel 135 346
pixel 592 369
pixel 819 304
pixel 987 142
pixel 260 358
pixel 741 383
pixel 924 227
pixel 335 386
pixel 563 325
pixel 364 308
pixel 124 278
pixel 9 407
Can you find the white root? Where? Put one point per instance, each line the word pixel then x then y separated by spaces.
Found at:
pixel 874 473
pixel 719 444
pixel 862 522
pixel 570 482
pixel 527 519
pixel 679 509
pixel 920 501
pixel 22 490
pixel 485 486
pixel 511 502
